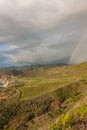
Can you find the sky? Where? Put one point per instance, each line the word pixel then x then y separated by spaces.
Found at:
pixel 43 31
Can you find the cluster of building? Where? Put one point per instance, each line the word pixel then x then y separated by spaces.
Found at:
pixel 4 80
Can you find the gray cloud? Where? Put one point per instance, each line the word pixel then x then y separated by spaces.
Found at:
pixel 35 31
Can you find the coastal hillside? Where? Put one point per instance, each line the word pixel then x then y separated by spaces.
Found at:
pixel 44 98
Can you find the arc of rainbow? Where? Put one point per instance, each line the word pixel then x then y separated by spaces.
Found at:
pixel 77 48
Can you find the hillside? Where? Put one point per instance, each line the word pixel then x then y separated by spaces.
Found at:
pixel 44 98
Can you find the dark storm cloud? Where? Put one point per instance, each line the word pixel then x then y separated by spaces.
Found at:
pixel 35 31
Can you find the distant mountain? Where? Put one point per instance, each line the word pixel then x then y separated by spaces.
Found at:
pixel 20 70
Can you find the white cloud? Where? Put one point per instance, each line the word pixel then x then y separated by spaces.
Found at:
pixel 12 47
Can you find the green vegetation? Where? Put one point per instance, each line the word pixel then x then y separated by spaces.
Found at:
pixel 71 118
pixel 45 98
pixel 39 88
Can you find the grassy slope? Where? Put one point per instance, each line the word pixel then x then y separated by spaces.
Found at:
pixel 33 101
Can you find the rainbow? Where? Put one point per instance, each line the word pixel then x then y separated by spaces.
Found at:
pixel 82 41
